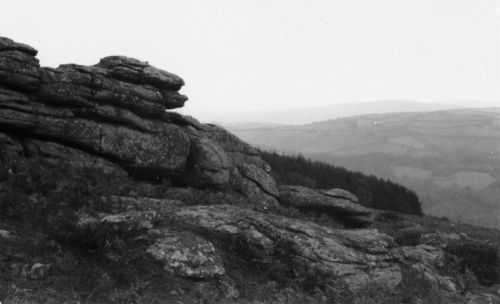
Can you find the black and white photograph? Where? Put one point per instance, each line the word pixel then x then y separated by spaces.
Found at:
pixel 250 152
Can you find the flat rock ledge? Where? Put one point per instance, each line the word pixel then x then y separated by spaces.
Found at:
pixel 355 257
pixel 337 203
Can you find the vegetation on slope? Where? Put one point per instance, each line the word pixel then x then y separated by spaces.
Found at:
pixel 372 191
pixel 41 197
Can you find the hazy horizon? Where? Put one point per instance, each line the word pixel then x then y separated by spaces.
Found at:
pixel 312 114
pixel 250 56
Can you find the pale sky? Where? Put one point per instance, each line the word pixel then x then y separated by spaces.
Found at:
pixel 258 55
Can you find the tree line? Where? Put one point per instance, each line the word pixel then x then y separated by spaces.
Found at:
pixel 372 192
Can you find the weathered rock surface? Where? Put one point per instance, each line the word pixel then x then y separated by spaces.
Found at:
pixel 187 255
pixel 135 71
pixel 209 164
pixel 425 254
pixel 426 263
pixel 125 222
pixel 181 253
pixel 433 279
pixel 323 201
pixel 260 177
pixel 341 193
pixel 112 115
pixel 440 239
pixel 357 257
pixel 262 200
pixel 482 298
pixel 18 66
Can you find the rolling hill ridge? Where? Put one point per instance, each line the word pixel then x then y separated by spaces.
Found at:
pixel 448 157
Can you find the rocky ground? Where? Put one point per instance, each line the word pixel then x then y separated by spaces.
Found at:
pixel 108 197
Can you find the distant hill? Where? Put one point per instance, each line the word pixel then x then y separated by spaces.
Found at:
pixel 319 113
pixel 450 158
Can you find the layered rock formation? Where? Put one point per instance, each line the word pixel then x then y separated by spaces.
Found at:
pixel 339 203
pixel 113 116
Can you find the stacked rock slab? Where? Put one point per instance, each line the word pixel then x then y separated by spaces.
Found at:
pixel 338 203
pixel 112 115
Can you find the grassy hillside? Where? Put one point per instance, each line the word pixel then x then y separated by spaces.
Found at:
pixel 449 158
pixel 38 200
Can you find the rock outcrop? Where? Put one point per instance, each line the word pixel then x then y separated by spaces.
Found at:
pixel 425 261
pixel 355 257
pixel 113 115
pixel 340 204
pixel 219 198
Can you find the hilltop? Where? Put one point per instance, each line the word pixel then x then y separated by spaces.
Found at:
pixel 107 196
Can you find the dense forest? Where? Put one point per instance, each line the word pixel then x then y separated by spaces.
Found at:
pixel 372 192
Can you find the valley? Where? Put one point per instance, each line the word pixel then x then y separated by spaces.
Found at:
pixel 450 157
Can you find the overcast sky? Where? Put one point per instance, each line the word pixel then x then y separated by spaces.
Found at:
pixel 251 55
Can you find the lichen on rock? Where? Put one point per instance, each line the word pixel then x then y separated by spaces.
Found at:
pixel 187 255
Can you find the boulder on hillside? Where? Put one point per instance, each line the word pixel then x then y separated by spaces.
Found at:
pixel 260 177
pixel 209 164
pixel 339 205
